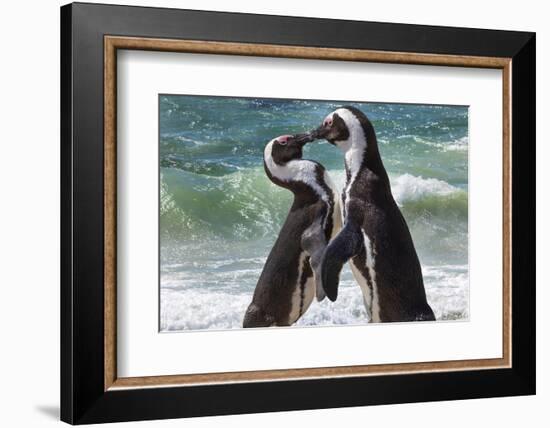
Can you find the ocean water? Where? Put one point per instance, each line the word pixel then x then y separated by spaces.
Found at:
pixel 220 215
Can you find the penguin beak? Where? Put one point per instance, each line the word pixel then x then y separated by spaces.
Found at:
pixel 320 133
pixel 303 139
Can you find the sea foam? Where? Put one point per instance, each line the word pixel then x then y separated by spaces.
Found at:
pixel 201 308
pixel 408 187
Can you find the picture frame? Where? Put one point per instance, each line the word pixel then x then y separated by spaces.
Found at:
pixel 91 390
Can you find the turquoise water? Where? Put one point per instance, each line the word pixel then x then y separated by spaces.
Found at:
pixel 220 215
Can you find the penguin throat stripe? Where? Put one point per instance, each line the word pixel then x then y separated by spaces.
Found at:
pixel 354 149
pixel 298 170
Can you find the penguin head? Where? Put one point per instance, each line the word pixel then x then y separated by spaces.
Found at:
pixel 287 147
pixel 344 127
pixel 349 129
pixel 335 127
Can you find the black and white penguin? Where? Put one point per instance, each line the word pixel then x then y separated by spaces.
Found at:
pixel 288 282
pixel 375 235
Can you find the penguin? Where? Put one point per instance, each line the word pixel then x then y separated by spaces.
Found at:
pixel 291 276
pixel 375 236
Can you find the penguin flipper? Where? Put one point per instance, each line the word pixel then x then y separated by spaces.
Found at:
pixel 343 247
pixel 314 243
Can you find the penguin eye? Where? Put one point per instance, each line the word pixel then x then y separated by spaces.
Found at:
pixel 282 142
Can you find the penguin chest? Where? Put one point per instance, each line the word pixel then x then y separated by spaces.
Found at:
pixel 304 290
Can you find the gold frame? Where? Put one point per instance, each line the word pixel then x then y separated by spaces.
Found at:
pixel 113 43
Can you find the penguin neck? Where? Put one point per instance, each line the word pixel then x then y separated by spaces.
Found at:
pixel 299 176
pixel 361 154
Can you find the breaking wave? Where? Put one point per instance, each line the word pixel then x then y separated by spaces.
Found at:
pixel 245 204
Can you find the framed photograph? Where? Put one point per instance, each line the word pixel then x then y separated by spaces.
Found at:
pixel 265 213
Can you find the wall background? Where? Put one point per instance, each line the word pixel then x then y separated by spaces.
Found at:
pixel 29 214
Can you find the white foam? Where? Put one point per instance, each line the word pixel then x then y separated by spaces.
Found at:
pixel 447 289
pixel 458 145
pixel 408 187
pixel 455 146
pixel 195 308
